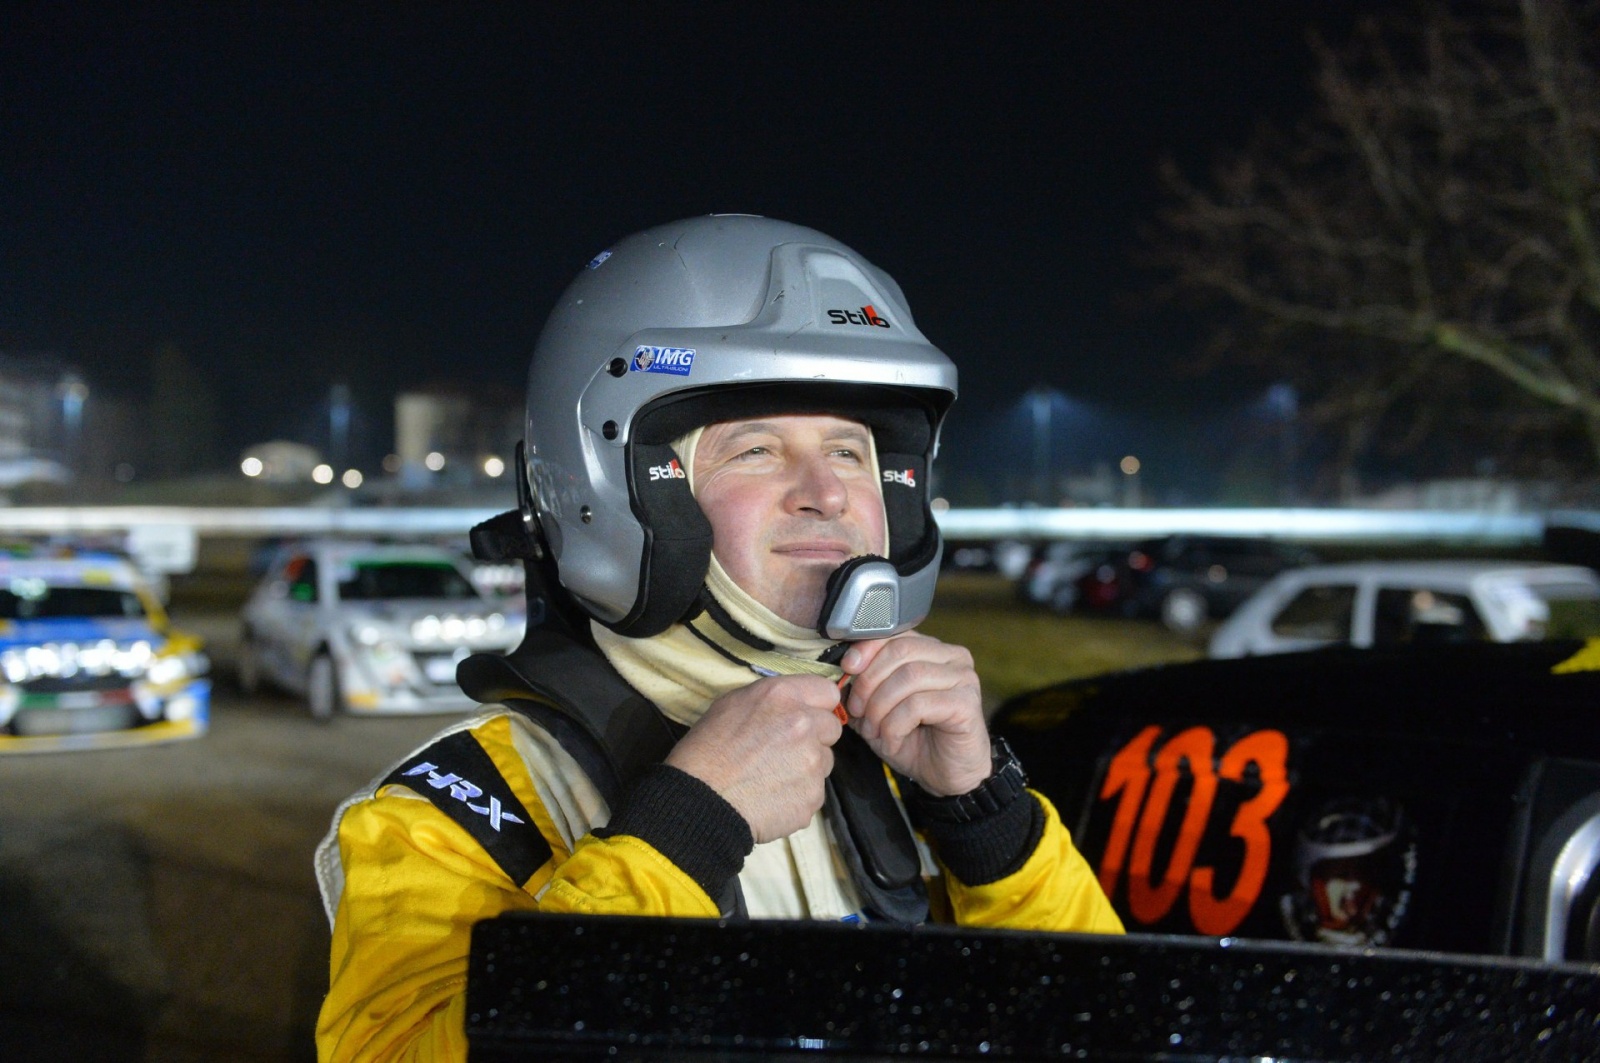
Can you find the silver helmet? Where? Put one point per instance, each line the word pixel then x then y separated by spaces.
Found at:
pixel 706 320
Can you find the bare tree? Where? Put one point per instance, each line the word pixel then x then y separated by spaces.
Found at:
pixel 1425 245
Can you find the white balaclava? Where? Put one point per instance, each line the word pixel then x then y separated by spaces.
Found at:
pixel 680 672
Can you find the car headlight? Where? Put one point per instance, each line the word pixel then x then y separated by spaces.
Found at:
pixel 174 668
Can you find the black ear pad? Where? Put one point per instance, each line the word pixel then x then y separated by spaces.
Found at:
pixel 677 541
pixel 913 534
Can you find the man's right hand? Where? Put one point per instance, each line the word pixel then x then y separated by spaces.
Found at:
pixel 767 750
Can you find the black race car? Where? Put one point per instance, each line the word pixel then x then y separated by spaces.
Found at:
pixel 1340 855
pixel 1443 798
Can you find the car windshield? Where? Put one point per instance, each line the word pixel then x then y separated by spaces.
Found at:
pixel 31 599
pixel 380 580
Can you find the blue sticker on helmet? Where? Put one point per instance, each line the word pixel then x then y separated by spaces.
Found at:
pixel 675 360
pixel 597 261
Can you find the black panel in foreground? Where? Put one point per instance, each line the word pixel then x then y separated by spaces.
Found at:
pixel 558 987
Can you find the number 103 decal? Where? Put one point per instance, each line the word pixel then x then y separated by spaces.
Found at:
pixel 1142 778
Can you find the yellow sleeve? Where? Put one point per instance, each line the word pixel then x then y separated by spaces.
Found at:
pixel 416 882
pixel 1054 890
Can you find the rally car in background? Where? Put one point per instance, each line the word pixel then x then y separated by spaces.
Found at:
pixel 1441 796
pixel 365 627
pixel 88 657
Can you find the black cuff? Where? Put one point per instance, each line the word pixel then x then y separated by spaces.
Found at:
pixel 988 849
pixel 687 822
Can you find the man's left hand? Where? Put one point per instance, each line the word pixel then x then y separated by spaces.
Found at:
pixel 918 704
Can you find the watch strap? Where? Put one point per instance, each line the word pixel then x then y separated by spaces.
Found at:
pixel 1006 782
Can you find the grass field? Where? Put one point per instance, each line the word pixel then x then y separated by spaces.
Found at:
pixel 1019 647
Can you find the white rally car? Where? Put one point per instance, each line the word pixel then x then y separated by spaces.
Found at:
pixel 88 658
pixel 364 627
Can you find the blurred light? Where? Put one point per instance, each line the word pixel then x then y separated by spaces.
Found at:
pixel 251 466
pixel 323 474
pixel 123 473
pixel 351 478
pixel 940 505
pixel 434 461
pixel 493 466
pixel 1129 465
pixel 391 463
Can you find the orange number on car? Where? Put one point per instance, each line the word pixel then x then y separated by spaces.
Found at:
pixel 1129 776
pixel 1147 900
pixel 1269 751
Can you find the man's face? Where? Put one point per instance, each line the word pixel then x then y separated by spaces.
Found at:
pixel 790 498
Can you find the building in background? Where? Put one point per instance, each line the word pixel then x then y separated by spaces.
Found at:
pixel 446 436
pixel 42 399
pixel 280 461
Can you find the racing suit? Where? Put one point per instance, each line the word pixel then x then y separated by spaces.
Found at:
pixel 494 815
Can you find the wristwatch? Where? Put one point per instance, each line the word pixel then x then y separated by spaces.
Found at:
pixel 1003 786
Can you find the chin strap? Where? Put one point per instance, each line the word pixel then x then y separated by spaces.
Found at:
pixel 874 837
pixel 713 625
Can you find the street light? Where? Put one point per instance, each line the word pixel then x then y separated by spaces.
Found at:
pixel 1283 404
pixel 1039 399
pixel 1130 485
pixel 339 423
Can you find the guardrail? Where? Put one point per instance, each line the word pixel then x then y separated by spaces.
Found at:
pixel 1311 525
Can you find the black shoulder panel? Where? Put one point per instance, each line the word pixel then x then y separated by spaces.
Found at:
pixel 457 775
pixel 614 733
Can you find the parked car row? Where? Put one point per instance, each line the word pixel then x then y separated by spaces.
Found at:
pixel 1183 580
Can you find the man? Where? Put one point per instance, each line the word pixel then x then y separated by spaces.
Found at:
pixel 726 522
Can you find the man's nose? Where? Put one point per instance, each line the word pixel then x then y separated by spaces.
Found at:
pixel 817 489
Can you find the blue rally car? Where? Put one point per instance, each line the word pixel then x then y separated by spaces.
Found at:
pixel 88 658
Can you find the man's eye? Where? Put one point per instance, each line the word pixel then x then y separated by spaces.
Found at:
pixel 846 452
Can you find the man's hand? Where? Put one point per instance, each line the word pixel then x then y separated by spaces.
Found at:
pixel 767 749
pixel 918 704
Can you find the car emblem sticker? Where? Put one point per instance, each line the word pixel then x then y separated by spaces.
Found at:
pixel 1355 862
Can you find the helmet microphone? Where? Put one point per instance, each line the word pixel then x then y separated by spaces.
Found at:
pixel 862 601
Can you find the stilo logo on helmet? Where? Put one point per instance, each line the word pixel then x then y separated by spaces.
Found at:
pixel 867 315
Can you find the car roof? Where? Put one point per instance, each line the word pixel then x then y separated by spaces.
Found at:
pixel 71 568
pixel 1451 571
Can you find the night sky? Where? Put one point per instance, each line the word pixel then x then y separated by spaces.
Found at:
pixel 394 194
